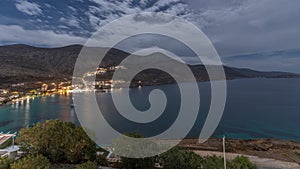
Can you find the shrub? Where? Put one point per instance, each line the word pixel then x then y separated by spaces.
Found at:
pixel 101 160
pixel 58 141
pixel 36 162
pixel 124 145
pixel 177 158
pixel 138 163
pixel 241 162
pixel 87 165
pixel 5 162
pixel 212 162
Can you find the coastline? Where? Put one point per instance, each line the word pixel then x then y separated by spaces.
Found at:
pixel 28 97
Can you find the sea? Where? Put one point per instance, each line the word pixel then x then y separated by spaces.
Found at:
pixel 255 108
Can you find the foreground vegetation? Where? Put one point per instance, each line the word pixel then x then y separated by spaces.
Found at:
pixel 60 142
pixel 178 158
pixel 47 144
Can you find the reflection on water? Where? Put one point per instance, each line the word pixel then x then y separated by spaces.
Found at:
pixel 27 110
pixel 255 108
pixel 32 110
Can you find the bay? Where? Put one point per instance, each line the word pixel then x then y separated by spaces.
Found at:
pixel 255 108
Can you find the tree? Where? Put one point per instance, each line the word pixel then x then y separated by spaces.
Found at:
pixel 101 159
pixel 88 165
pixel 123 145
pixel 212 162
pixel 138 163
pixel 58 141
pixel 37 162
pixel 177 158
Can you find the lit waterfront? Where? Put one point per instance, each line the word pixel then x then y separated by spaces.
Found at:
pixel 36 109
pixel 15 93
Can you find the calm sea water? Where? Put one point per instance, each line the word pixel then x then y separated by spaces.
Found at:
pixel 26 113
pixel 255 108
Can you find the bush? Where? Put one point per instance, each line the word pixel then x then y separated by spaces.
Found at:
pixel 122 145
pixel 213 162
pixel 241 162
pixel 138 163
pixel 58 141
pixel 87 165
pixel 101 160
pixel 5 162
pixel 179 159
pixel 36 162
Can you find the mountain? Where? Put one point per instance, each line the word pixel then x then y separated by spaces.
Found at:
pixel 284 60
pixel 21 63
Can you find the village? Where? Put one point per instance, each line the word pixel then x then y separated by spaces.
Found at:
pixel 11 93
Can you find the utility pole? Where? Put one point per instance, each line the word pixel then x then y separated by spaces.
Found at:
pixel 224 152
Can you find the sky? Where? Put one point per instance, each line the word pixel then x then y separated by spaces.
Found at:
pixel 237 28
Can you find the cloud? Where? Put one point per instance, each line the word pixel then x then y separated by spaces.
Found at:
pixel 29 8
pixel 70 21
pixel 250 26
pixel 105 11
pixel 140 31
pixel 14 33
pixel 234 26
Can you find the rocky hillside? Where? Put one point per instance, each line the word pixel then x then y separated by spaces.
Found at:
pixel 26 63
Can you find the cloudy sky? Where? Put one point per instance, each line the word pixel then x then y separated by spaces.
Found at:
pixel 237 28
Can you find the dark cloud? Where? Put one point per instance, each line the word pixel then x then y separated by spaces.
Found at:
pixel 253 26
pixel 235 26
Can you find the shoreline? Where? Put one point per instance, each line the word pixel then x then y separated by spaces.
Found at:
pixel 29 97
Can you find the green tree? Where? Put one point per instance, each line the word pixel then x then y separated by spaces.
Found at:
pixel 88 165
pixel 36 162
pixel 177 158
pixel 101 160
pixel 58 141
pixel 123 145
pixel 212 162
pixel 138 163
